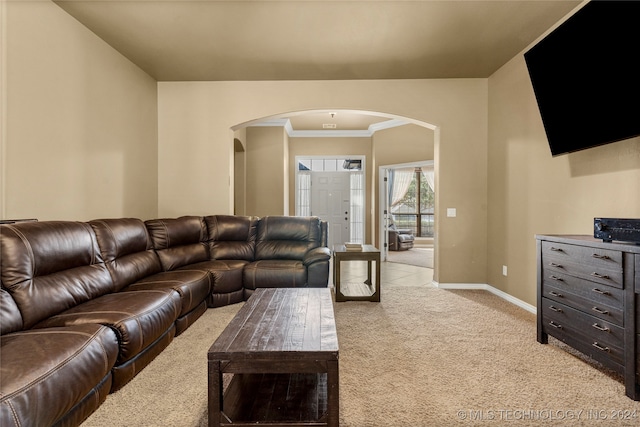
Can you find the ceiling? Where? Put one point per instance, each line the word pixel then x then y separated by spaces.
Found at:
pixel 212 40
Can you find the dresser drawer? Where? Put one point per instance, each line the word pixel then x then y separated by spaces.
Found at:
pixel 604 302
pixel 600 339
pixel 599 265
pixel 612 357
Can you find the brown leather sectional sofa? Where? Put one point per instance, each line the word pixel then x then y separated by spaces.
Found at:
pixel 85 306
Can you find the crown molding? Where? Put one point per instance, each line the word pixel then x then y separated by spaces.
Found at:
pixel 331 134
pixel 286 123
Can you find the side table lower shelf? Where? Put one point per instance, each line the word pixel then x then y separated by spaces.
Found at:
pixel 275 399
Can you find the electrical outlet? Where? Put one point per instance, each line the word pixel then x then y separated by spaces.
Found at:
pixel 504 270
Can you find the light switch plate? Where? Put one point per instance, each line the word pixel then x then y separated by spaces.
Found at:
pixel 451 212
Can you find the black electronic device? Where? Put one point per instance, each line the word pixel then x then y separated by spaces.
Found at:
pixel 622 229
pixel 585 77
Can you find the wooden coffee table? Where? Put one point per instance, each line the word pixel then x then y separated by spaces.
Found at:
pixel 282 349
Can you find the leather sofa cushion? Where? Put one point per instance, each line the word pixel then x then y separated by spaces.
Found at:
pixel 44 373
pixel 10 317
pixel 222 299
pixel 126 248
pixel 49 267
pixel 287 237
pixel 87 406
pixel 138 318
pixel 231 237
pixel 275 274
pixel 179 241
pixel 193 286
pixel 227 286
pixel 226 274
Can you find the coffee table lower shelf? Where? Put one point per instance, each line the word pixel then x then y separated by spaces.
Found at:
pixel 298 399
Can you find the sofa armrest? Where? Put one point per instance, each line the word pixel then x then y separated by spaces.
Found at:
pixel 318 254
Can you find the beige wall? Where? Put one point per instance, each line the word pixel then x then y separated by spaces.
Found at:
pixel 403 144
pixel 79 137
pixel 532 193
pixel 266 171
pixel 195 142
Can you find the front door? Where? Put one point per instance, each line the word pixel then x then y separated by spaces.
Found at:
pixel 331 202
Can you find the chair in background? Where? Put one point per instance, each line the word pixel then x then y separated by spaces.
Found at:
pixel 400 239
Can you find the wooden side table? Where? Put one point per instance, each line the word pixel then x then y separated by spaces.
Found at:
pixel 368 253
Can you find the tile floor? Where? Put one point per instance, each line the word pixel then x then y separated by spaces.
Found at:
pixel 390 274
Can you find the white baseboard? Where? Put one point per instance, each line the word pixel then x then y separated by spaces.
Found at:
pixel 485 287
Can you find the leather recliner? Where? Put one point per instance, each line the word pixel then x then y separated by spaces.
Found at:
pixel 400 239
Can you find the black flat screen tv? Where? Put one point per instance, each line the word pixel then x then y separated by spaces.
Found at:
pixel 586 77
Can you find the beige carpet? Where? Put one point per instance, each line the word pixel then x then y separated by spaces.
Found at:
pixel 422 357
pixel 420 257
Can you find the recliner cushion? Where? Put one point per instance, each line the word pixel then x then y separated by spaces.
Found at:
pixel 138 318
pixel 179 241
pixel 226 275
pixel 192 285
pixel 49 267
pixel 275 274
pixel 287 237
pixel 231 237
pixel 44 373
pixel 10 317
pixel 405 238
pixel 126 248
pixel 134 265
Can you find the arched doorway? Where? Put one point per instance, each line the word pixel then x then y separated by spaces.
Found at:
pixel 377 124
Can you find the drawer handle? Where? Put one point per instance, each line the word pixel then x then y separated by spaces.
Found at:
pixel 600 256
pixel 553 264
pixel 600 276
pixel 556 249
pixel 554 308
pixel 555 325
pixel 555 294
pixel 601 348
pixel 601 328
pixel 559 279
pixel 601 292
pixel 600 311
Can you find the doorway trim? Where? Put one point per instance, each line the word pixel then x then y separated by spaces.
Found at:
pixel 384 202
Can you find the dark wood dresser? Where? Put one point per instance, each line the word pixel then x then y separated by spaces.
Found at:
pixel 589 298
